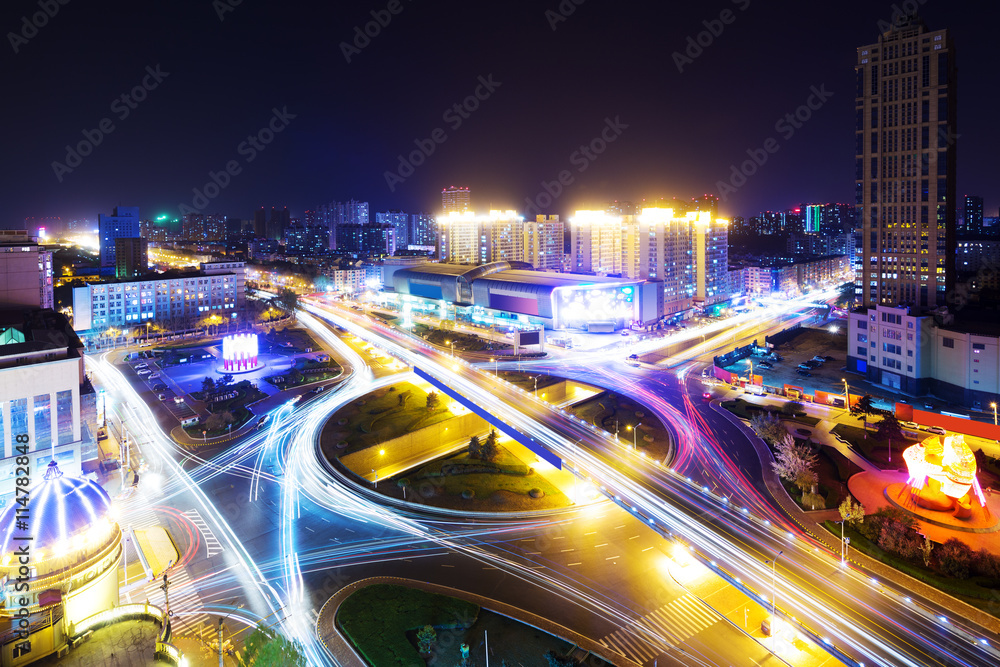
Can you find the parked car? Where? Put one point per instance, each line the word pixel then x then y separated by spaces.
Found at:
pixel 159 387
pixel 829 358
pixel 936 429
pixel 804 373
pixel 153 376
pixel 812 363
pixel 819 359
pixel 910 425
pixel 143 371
pixel 162 397
pixel 805 367
pixel 764 364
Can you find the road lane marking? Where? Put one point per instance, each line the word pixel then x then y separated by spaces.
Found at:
pixel 572 564
pixel 562 551
pixel 647 548
pixel 634 537
pixel 597 546
pixel 593 532
pixel 612 557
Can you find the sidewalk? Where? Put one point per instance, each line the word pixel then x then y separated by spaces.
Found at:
pixel 811 522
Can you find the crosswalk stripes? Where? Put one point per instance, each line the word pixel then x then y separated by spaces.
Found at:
pixel 184 600
pixel 212 544
pixel 673 623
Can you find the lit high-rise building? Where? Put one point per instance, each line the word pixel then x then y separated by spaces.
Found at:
pixel 596 243
pixel 122 223
pixel 710 248
pixel 25 270
pixel 400 222
pixel 423 230
pixel 707 203
pixel 467 238
pixel 131 257
pixel 203 228
pixel 972 215
pixel 905 173
pixel 455 200
pixel 543 242
pixel 664 255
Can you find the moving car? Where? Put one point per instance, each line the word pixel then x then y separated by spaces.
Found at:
pixel 162 397
pixel 262 420
pixel 707 395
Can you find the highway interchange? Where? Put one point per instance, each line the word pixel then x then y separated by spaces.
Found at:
pixel 289 536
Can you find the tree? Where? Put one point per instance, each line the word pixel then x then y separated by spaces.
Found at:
pixel 558 660
pixel 208 385
pixel 475 448
pixel 433 401
pixel 218 421
pixel 795 462
pixel 955 558
pixel 769 427
pixel 852 512
pixel 490 451
pixel 926 551
pixel 289 299
pixel 792 408
pixel 426 637
pixel 267 648
pixel 226 379
pixel 863 408
pixel 889 429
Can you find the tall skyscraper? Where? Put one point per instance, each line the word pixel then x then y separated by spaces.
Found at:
pixel 260 223
pixel 708 203
pixel 543 242
pixel 972 214
pixel 905 172
pixel 455 200
pixel 122 223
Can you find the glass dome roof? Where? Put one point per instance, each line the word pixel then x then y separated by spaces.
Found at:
pixel 59 508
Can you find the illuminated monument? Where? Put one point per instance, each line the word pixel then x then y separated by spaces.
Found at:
pixel 239 353
pixel 942 475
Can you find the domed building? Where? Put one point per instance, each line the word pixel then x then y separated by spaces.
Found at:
pixel 59 560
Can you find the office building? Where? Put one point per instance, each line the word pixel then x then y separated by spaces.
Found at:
pixel 663 255
pixel 467 238
pixel 122 223
pixel 820 244
pixel 455 200
pixel 131 257
pixel 177 299
pixel 277 223
pixel 260 222
pixel 25 270
pixel 905 172
pixel 261 248
pixel 543 243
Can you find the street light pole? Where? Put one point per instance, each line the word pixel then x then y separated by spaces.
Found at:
pixel 994 406
pixel 635 436
pixel 774 588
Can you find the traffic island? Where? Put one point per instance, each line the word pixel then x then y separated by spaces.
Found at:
pixel 156 550
pixel 387 621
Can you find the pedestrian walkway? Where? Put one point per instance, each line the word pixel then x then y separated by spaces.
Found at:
pixel 212 543
pixel 185 603
pixel 659 631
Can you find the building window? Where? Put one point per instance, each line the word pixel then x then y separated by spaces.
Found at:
pixel 862 338
pixel 909 369
pixel 64 416
pixel 861 351
pixel 43 421
pixel 978 346
pixel 948 342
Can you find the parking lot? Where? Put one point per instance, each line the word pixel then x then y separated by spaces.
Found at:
pixel 827 376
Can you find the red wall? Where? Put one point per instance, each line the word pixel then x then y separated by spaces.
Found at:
pixel 906 412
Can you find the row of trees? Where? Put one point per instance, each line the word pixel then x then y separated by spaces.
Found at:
pixel 795 462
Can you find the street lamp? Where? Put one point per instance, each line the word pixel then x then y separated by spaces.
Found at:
pixel 496 366
pixel 635 434
pixel 847 393
pixel 774 589
pixel 536 386
pixel 994 406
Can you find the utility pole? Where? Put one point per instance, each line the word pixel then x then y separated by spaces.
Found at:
pixel 166 600
pixel 221 626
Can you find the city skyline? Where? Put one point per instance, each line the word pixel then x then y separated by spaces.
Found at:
pixel 312 151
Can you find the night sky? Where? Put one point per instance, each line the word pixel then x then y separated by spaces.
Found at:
pixel 607 68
